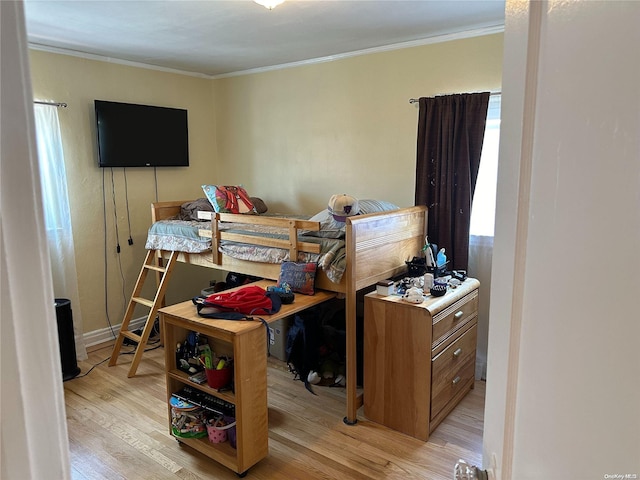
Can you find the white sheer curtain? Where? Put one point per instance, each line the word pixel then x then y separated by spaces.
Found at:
pixel 57 215
pixel 481 228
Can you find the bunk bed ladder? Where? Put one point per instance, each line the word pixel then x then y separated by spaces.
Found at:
pixel 153 262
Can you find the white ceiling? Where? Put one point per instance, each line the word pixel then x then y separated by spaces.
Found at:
pixel 218 37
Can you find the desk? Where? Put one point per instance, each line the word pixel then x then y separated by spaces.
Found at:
pixel 245 341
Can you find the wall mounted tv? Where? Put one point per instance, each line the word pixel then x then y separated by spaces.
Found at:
pixel 132 135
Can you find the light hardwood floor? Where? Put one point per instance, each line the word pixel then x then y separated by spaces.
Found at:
pixel 118 429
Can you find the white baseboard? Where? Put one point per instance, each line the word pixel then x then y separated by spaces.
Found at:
pixel 107 334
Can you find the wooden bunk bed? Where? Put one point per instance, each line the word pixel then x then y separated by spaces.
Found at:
pixel 377 247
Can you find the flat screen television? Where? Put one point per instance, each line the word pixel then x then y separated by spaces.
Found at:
pixel 131 135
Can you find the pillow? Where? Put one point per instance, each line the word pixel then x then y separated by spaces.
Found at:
pixel 229 199
pixel 189 210
pixel 300 277
pixel 375 206
pixel 331 228
pixel 261 207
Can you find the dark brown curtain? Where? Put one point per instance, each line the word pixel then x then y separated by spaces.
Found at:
pixel 450 136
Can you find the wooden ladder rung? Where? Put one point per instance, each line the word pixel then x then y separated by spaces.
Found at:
pixel 143 301
pixel 131 336
pixel 153 305
pixel 156 268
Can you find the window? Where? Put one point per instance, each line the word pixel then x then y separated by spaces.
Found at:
pixel 484 199
pixel 57 214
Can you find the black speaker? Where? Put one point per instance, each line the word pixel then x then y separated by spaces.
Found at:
pixel 66 339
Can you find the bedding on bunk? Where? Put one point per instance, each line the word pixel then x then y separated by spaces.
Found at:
pixel 178 235
pixel 331 258
pixel 183 236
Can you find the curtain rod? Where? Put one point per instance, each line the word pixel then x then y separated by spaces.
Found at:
pixel 491 94
pixel 53 104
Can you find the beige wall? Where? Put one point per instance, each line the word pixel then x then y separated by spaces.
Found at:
pixel 296 136
pixel 293 137
pixel 78 82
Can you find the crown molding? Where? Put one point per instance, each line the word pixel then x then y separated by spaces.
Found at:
pixel 385 48
pixel 118 61
pixel 479 32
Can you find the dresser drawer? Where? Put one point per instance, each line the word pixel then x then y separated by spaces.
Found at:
pixel 452 358
pixel 454 317
pixel 451 384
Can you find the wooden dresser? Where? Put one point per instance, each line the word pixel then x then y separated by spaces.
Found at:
pixel 419 360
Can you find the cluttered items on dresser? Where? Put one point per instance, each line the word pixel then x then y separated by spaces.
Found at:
pixel 432 260
pixel 426 284
pixel 425 276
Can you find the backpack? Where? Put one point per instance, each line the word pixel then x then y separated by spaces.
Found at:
pixel 240 304
pixel 246 301
pixel 303 342
pixel 229 199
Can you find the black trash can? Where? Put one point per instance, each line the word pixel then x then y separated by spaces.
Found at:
pixel 66 339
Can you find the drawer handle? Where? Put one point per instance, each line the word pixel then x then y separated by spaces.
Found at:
pixel 456 380
pixel 457 352
pixel 458 315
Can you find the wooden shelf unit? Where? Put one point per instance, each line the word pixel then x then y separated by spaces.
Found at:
pixel 246 342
